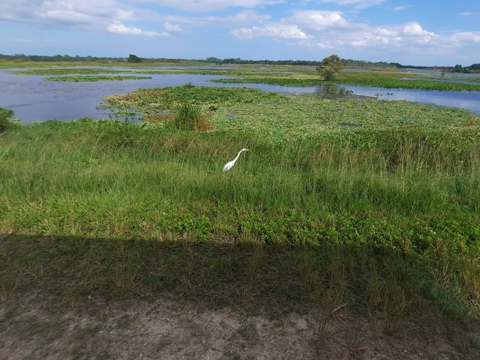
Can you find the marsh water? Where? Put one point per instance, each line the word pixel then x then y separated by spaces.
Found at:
pixel 34 99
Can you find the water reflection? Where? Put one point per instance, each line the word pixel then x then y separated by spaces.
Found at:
pixel 33 99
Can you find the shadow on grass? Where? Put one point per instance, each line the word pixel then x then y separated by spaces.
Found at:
pixel 272 279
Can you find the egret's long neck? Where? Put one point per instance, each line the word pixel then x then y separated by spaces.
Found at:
pixel 238 155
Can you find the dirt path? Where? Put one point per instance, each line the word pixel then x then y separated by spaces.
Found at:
pixel 32 327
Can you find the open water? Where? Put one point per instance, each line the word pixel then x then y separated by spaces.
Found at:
pixel 34 99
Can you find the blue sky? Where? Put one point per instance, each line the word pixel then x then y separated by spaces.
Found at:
pixel 410 32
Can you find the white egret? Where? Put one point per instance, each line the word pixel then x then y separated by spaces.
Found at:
pixel 230 164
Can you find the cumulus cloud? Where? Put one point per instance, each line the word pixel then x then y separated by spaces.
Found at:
pixel 396 36
pixel 415 29
pixel 384 32
pixel 114 16
pixel 461 38
pixel 77 11
pixel 317 20
pixel 44 12
pixel 330 30
pixel 88 15
pixel 301 25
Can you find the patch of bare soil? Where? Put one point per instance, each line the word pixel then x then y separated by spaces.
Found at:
pixel 33 326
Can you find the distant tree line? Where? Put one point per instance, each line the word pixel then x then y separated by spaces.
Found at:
pixel 57 58
pixel 467 69
pixel 74 59
pixel 349 63
pixel 346 62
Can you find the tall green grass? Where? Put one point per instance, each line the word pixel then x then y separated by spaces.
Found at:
pixel 383 219
pixel 119 166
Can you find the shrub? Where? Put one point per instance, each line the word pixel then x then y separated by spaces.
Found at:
pixel 6 120
pixel 190 117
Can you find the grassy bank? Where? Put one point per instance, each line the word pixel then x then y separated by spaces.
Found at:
pixel 368 205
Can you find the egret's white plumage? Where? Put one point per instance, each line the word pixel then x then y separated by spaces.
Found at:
pixel 230 164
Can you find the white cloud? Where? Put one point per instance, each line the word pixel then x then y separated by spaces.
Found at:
pixel 414 29
pixel 301 25
pixel 116 27
pixel 409 35
pixel 65 15
pixel 467 13
pixel 384 32
pixel 114 16
pixel 316 20
pixel 246 17
pixel 461 38
pixel 172 28
pixel 239 19
pixel 87 15
pixel 274 31
pixel 330 30
pixel 415 32
pixel 76 11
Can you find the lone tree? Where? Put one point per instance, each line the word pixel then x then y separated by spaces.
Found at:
pixel 134 59
pixel 329 67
